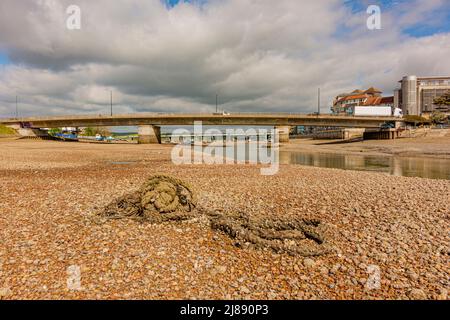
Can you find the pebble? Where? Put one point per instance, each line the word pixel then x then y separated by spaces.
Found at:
pixel 324 270
pixel 244 290
pixel 309 263
pixel 412 275
pixel 221 269
pixel 335 268
pixel 5 292
pixel 417 294
pixel 443 294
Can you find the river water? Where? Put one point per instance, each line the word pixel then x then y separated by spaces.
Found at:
pixel 398 166
pixel 423 167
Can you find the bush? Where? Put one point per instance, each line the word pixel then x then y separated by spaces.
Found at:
pixel 7 131
pixel 416 120
pixel 92 131
pixel 89 131
pixel 54 131
pixel 438 117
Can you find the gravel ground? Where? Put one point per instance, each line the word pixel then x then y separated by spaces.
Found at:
pixel 49 191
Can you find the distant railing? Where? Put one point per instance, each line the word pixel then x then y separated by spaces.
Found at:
pixel 187 115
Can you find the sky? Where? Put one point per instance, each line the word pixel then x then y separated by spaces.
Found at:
pixel 176 56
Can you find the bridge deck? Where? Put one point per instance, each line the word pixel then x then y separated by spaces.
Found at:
pixel 262 119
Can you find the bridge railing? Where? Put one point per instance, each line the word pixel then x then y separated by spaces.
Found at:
pixel 187 115
pixel 133 115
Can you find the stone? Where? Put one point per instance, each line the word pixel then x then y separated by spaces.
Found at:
pixel 324 270
pixel 443 294
pixel 221 269
pixel 245 290
pixel 335 268
pixel 417 294
pixel 412 275
pixel 309 263
pixel 4 292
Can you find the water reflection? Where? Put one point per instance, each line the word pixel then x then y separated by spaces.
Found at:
pixel 397 166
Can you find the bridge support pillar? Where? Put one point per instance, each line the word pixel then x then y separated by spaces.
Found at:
pixel 283 133
pixel 148 134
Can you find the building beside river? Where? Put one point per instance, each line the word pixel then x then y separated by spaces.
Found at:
pixel 416 94
pixel 346 102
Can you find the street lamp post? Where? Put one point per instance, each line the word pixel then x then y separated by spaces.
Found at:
pixel 111 104
pixel 318 102
pixel 217 104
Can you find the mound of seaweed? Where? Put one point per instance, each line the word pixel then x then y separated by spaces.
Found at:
pixel 163 198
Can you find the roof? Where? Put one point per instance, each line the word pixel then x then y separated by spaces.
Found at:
pixel 373 90
pixel 385 100
pixel 371 96
pixel 372 101
pixel 369 101
pixel 352 97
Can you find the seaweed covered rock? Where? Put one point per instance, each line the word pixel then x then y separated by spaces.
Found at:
pixel 295 236
pixel 127 206
pixel 162 198
pixel 165 194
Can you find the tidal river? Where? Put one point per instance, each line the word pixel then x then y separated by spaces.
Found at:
pixel 398 166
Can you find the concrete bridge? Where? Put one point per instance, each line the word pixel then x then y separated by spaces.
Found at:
pixel 149 130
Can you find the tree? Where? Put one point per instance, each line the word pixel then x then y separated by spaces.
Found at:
pixel 54 131
pixel 104 131
pixel 416 120
pixel 89 131
pixel 92 131
pixel 443 100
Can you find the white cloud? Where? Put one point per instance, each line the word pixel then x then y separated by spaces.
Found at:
pixel 258 55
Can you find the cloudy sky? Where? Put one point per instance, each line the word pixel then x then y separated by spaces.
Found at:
pixel 175 56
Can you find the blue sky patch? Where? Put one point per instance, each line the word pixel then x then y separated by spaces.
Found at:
pixel 4 59
pixel 435 22
pixel 173 3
